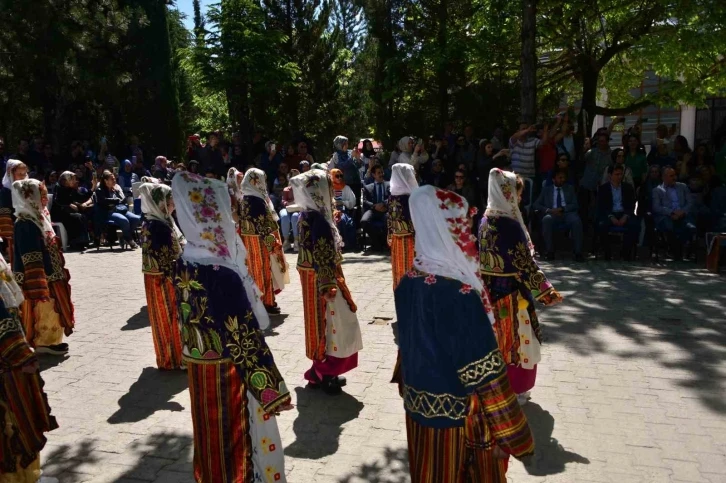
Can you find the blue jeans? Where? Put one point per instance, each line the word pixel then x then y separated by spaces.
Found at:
pixel 126 222
pixel 286 221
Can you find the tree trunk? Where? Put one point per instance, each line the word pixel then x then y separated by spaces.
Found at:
pixel 529 61
pixel 589 102
pixel 443 67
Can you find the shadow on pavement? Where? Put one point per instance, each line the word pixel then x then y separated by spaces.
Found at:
pixel 318 424
pixel 48 361
pixel 162 456
pixel 392 467
pixel 275 322
pixel 64 459
pixel 674 316
pixel 550 457
pixel 138 321
pixel 152 392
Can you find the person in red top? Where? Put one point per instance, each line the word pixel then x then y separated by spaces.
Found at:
pixel 547 153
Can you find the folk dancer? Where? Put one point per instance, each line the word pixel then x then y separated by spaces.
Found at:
pixel 462 417
pixel 14 171
pixel 234 384
pixel 332 332
pixel 400 227
pixel 514 280
pixel 161 246
pixel 39 266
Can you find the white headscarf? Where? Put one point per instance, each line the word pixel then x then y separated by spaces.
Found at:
pixel 403 179
pixel 255 184
pixel 10 291
pixel 155 204
pixel 233 184
pixel 403 144
pixel 27 205
pixel 312 191
pixel 150 179
pixel 204 211
pixel 504 201
pixel 9 167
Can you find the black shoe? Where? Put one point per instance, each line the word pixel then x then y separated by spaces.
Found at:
pixel 549 257
pixel 342 381
pixel 272 310
pixel 55 350
pixel 331 386
pixel 579 257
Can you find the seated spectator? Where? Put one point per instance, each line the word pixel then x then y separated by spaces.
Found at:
pixel 51 181
pixel 375 203
pixel 616 208
pixel 161 170
pixel 278 185
pixel 291 159
pixel 125 177
pixel 701 200
pixel 193 167
pixel 618 156
pixel 672 212
pixel 558 204
pixel 462 187
pixel 437 176
pixel 288 219
pixel 110 202
pixel 718 209
pixel 645 201
pixel 139 171
pixel 661 155
pixel 72 209
pixel 344 203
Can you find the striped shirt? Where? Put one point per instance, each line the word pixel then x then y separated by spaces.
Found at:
pixel 523 153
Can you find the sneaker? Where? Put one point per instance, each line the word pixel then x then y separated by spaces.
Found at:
pixel 56 350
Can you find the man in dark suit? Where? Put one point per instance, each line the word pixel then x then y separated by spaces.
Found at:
pixel 375 204
pixel 616 212
pixel 558 204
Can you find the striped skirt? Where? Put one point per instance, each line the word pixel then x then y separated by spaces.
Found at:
pixel 161 303
pixel 60 292
pixel 258 264
pixel 314 308
pixel 7 233
pixel 442 456
pixel 234 440
pixel 402 255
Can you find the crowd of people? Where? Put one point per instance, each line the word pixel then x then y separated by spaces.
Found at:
pixel 454 213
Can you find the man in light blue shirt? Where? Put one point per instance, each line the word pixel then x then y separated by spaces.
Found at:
pixel 672 211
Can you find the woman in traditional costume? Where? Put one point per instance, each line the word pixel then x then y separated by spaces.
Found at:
pixel 160 248
pixel 462 417
pixel 343 209
pixel 332 332
pixel 234 384
pixel 400 227
pixel 14 171
pixel 257 226
pixel 514 280
pixel 39 267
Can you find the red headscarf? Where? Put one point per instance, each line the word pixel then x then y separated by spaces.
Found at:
pixel 338 182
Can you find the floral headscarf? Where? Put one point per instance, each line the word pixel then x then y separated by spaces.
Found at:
pixel 313 191
pixel 255 184
pixel 233 184
pixel 403 179
pixel 504 201
pixel 28 206
pixel 9 167
pixel 155 205
pixel 204 211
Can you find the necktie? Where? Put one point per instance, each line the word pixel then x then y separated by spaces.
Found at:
pixel 379 193
pixel 559 198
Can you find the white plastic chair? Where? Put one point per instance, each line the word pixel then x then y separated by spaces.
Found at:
pixel 59 229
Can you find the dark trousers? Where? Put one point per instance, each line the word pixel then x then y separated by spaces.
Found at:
pixel 630 231
pixel 374 225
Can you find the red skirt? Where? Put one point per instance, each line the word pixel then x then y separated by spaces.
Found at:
pixel 402 255
pixel 258 265
pixel 161 303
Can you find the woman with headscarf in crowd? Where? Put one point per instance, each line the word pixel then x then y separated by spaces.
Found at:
pixel 257 225
pixel 40 269
pixel 14 171
pixel 304 167
pixel 368 154
pixel 413 154
pixel 161 170
pixel 400 227
pixel 161 246
pixel 235 387
pixel 125 177
pixel 70 208
pixel 514 280
pixel 332 333
pixel 24 408
pixel 618 157
pixel 280 183
pixel 348 162
pixel 343 209
pixel 111 205
pixel 437 176
pixel 289 214
pixel 462 418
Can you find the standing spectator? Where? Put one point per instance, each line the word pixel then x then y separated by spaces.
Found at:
pixel 672 206
pixel 349 163
pixel 596 161
pixel 259 144
pixel 437 176
pixel 46 161
pixel 497 139
pixel 663 133
pixel 76 159
pixel 563 163
pixel 194 146
pixel 304 154
pixel 269 162
pixel 635 160
pixel 449 137
pixel 523 145
pixel 661 155
pixel 463 188
pixel 618 157
pixel 558 203
pixel 22 154
pixel 374 221
pixel 411 152
pixel 213 156
pixel 226 155
pixel 484 164
pixel 616 208
pixel 547 153
pixel 463 154
pixel 239 158
pixel 3 155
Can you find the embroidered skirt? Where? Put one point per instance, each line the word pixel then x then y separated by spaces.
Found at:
pixel 441 455
pixel 161 303
pixel 258 265
pixel 235 441
pixel 402 255
pixel 41 323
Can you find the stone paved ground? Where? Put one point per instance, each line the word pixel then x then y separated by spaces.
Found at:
pixel 631 388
